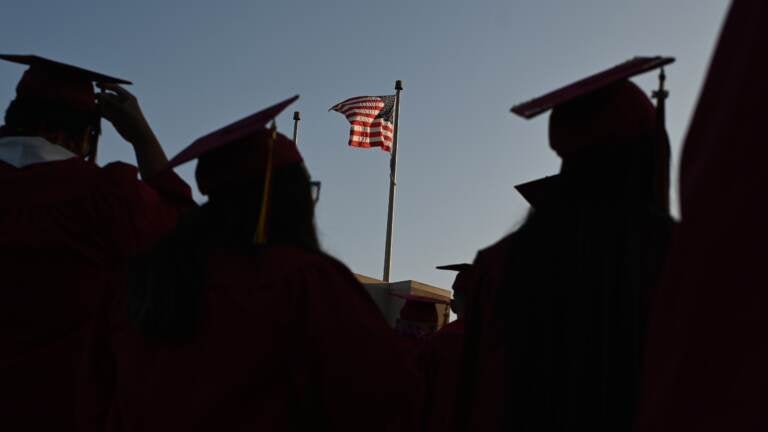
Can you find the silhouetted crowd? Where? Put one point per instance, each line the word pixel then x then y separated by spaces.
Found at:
pixel 128 307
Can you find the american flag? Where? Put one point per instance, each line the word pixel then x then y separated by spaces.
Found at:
pixel 371 120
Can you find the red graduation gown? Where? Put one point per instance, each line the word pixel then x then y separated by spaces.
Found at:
pixel 65 227
pixel 441 359
pixel 289 341
pixel 707 366
pixel 576 325
pixel 481 386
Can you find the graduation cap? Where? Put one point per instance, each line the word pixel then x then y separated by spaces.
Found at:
pixel 51 81
pixel 455 267
pixel 240 152
pixel 462 282
pixel 623 71
pixel 419 308
pixel 236 132
pixel 604 108
pixel 537 191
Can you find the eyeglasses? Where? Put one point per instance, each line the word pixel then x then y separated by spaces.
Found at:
pixel 314 190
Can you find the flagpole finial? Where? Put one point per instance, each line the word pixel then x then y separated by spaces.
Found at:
pixel 398 85
pixel 296 115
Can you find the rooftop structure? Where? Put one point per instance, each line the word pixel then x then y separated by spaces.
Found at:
pixel 390 306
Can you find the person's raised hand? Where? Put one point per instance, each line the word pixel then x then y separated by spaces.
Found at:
pixel 122 109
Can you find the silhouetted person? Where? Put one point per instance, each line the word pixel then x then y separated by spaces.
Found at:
pixel 461 286
pixel 67 226
pixel 238 321
pixel 557 327
pixel 707 348
pixel 418 318
pixel 441 358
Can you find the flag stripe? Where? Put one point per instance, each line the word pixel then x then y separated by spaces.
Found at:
pixel 383 145
pixel 370 143
pixel 361 111
pixel 359 98
pixel 367 100
pixel 367 123
pixel 359 129
pixel 372 104
pixel 371 138
pixel 361 116
pixel 370 122
pixel 363 135
pixel 384 148
pixel 372 111
pixel 365 127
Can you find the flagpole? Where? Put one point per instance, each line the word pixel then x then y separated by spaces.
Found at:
pixel 392 184
pixel 296 120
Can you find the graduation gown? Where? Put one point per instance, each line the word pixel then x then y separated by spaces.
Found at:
pixel 441 361
pixel 289 341
pixel 66 227
pixel 481 385
pixel 707 367
pixel 557 318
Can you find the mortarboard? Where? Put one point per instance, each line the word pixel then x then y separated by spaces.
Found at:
pixel 419 308
pixel 463 280
pixel 537 191
pixel 240 152
pixel 237 132
pixel 51 81
pixel 455 267
pixel 623 71
pixel 599 111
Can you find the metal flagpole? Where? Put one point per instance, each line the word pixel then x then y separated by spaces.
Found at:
pixel 392 184
pixel 296 120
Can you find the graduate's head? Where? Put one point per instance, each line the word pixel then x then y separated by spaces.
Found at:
pixel 418 316
pixel 608 142
pixel 255 174
pixel 461 287
pixel 233 177
pixel 462 284
pixel 606 130
pixel 414 329
pixel 77 131
pixel 244 162
pixel 56 101
pixel 615 116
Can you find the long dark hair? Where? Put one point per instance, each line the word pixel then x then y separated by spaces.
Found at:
pixel 165 301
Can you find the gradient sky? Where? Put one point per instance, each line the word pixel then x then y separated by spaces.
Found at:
pixel 198 65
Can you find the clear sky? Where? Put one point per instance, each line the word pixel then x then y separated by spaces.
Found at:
pixel 197 65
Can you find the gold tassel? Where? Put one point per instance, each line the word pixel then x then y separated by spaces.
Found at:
pixel 261 228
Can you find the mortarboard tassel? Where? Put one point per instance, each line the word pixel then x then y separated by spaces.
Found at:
pixel 261 228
